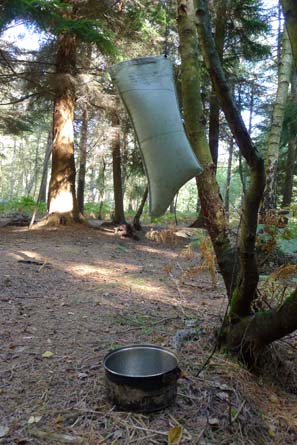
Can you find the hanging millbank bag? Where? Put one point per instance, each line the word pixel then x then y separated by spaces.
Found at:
pixel 147 89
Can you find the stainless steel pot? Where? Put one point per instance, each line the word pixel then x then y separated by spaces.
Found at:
pixel 141 377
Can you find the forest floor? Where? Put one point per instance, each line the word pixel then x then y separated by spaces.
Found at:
pixel 70 295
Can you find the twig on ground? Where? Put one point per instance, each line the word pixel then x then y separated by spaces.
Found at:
pixel 238 412
pixel 136 328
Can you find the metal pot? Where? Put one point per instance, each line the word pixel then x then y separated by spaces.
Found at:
pixel 141 377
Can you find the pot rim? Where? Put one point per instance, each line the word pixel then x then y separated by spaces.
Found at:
pixel 145 346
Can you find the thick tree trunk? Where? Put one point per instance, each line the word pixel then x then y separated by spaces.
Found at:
pixel 62 198
pixel 290 13
pixel 292 150
pixel 119 216
pixel 269 197
pixel 82 159
pixel 250 336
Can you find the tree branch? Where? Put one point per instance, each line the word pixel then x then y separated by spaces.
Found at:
pixel 221 85
pixel 21 99
pixel 255 332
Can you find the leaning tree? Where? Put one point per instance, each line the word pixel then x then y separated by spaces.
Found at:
pixel 246 331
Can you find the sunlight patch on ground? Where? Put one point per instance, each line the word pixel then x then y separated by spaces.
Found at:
pixel 26 255
pixel 83 269
pixel 95 273
pixel 160 252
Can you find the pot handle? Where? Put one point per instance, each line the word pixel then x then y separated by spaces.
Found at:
pixel 172 376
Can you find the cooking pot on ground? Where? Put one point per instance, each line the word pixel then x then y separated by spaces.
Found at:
pixel 141 377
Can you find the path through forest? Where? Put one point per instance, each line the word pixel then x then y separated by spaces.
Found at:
pixel 68 296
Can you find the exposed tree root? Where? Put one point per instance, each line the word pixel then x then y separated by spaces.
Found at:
pixel 57 219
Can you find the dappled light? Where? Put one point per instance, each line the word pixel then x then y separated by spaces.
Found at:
pixel 107 245
pixel 72 296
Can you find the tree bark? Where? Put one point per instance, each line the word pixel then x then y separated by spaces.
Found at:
pixel 290 13
pixel 82 159
pixel 246 333
pixel 211 201
pixel 214 108
pixel 250 336
pixel 36 166
pixel 43 183
pixel 269 197
pixel 292 150
pixel 136 220
pixel 102 170
pixel 119 216
pixel 62 197
pixel 12 170
pixel 228 179
pixel 248 277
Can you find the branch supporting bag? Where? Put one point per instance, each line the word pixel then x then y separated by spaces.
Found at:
pixel 147 89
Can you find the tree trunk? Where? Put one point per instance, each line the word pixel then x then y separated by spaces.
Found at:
pixel 248 277
pixel 62 198
pixel 292 150
pixel 12 170
pixel 214 108
pixel 241 161
pixel 136 220
pixel 290 13
pixel 48 152
pixel 92 192
pixel 172 207
pixel 119 216
pixel 82 159
pixel 289 175
pixel 211 201
pixel 34 175
pixel 228 179
pixel 36 166
pixel 101 187
pixel 269 198
pixel 246 333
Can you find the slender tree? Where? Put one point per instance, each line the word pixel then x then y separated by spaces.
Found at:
pixel 82 158
pixel 212 206
pixel 246 332
pixel 221 13
pixel 228 178
pixel 273 144
pixel 136 219
pixel 291 143
pixel 290 13
pixel 119 216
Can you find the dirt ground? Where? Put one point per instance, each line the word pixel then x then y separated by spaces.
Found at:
pixel 70 295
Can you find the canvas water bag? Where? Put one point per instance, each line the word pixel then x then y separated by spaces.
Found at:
pixel 147 89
